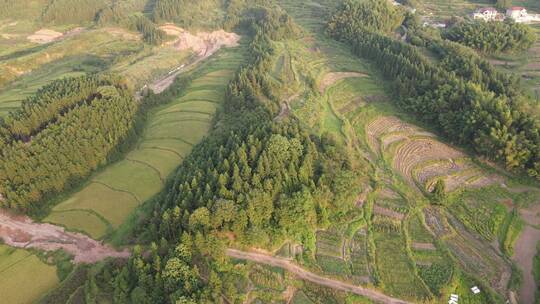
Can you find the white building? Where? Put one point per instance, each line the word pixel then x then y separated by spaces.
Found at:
pixel 486 13
pixel 517 13
pixel 520 15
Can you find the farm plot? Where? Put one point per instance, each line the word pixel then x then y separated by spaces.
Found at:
pixel 478 258
pixel 359 257
pixel 417 231
pixel 479 211
pixel 16 267
pixel 420 158
pixel 394 267
pixel 331 252
pixel 171 131
pixel 265 277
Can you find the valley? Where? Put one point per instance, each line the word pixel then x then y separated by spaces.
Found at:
pixel 265 154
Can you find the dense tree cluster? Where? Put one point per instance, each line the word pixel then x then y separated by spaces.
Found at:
pixel 467 64
pixel 61 135
pixel 374 15
pixel 151 33
pixel 190 13
pixel 253 180
pixel 72 11
pixel 463 108
pixel 492 37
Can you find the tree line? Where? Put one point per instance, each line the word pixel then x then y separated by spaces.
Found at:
pixel 252 180
pixel 462 107
pixel 492 37
pixel 72 11
pixel 61 135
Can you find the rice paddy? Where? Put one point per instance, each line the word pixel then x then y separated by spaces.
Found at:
pixel 16 267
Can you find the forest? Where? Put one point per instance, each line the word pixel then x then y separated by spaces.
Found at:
pixel 492 37
pixel 60 135
pixel 493 124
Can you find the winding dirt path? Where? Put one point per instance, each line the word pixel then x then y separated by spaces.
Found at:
pixel 524 252
pixel 21 232
pixel 309 276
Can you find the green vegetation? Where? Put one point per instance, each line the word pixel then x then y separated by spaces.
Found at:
pixel 460 109
pixel 492 37
pixel 171 129
pixel 72 11
pixel 16 267
pixel 394 268
pixel 62 134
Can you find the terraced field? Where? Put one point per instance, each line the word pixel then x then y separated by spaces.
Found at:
pixel 16 266
pixel 171 131
pixel 420 158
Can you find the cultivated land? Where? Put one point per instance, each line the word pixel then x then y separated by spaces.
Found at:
pixel 395 246
pixel 170 133
pixel 17 266
pixel 409 238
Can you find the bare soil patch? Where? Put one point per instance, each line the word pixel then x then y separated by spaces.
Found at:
pixel 21 232
pixel 202 43
pixel 333 77
pixel 44 36
pixel 524 252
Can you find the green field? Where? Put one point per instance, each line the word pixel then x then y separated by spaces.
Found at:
pixel 24 278
pixel 170 133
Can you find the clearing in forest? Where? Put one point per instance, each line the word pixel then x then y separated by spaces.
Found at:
pixel 170 133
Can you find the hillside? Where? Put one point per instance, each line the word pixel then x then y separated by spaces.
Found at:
pixel 322 151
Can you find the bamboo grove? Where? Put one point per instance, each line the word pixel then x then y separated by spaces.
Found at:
pixel 492 37
pixel 471 109
pixel 60 135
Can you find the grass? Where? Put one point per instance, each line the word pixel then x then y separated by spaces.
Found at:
pixel 24 278
pixel 170 132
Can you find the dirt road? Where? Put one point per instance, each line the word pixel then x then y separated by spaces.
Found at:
pixel 524 252
pixel 309 276
pixel 21 232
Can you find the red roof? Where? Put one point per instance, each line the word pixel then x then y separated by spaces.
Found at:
pixel 516 8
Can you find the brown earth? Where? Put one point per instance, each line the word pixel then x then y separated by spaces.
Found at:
pixel 22 232
pixel 524 252
pixel 203 44
pixel 44 36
